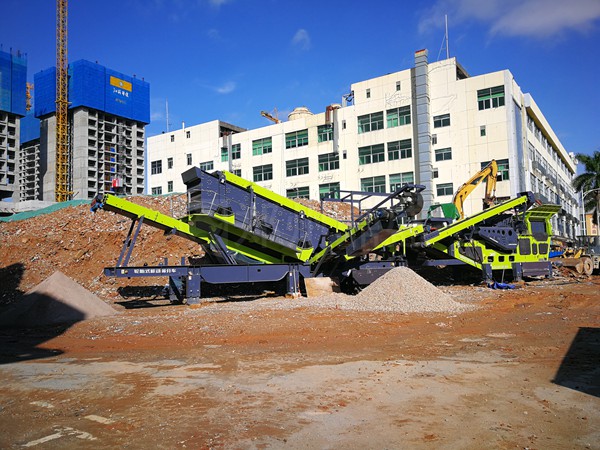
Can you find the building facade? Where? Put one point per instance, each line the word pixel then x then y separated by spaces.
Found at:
pixel 108 112
pixel 432 124
pixel 29 159
pixel 13 78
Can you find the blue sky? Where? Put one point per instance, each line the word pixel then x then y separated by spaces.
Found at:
pixel 230 59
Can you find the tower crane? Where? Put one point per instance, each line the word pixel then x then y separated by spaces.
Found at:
pixel 63 154
pixel 28 89
pixel 271 117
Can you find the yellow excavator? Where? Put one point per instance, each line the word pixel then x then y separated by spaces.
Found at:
pixel 455 209
pixel 489 173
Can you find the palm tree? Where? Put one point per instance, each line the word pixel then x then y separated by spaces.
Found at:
pixel 589 181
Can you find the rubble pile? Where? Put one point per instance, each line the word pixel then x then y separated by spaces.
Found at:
pixel 337 210
pixel 80 244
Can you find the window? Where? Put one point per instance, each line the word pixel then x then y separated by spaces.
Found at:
pixel 490 97
pixel 188 134
pixel 172 138
pixel 482 131
pixel 262 146
pixel 441 121
pixel 397 85
pixel 443 154
pixel 299 192
pixel 433 139
pixel 189 159
pixel 398 116
pixel 370 122
pixel 236 151
pixel 169 163
pixel 224 154
pixel 435 173
pixel 208 165
pixel 237 172
pixel 368 93
pixel 373 184
pixel 156 167
pixel 296 167
pixel 325 133
pixel 444 189
pixel 262 173
pixel 343 124
pixel 371 154
pixel 329 161
pixel 398 179
pixel 400 149
pixel 329 190
pixel 169 186
pixel 296 139
pixel 502 168
pixel 157 190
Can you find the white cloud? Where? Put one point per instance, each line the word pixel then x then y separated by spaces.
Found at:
pixel 533 18
pixel 226 88
pixel 214 34
pixel 217 3
pixel 156 116
pixel 301 39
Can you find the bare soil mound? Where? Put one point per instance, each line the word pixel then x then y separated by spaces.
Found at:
pixel 56 300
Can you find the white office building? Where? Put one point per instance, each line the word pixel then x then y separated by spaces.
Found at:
pixel 433 124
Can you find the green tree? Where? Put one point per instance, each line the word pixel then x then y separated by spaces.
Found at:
pixel 589 180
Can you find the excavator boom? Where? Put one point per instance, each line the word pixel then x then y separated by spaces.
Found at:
pixel 489 173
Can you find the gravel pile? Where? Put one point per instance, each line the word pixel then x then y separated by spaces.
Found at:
pixel 400 290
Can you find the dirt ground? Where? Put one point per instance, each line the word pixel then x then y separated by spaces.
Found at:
pixel 521 371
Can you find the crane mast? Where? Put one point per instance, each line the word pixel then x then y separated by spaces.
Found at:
pixel 63 182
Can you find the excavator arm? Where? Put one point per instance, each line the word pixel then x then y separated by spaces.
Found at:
pixel 489 174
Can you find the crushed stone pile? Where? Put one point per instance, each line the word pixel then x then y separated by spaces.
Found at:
pixel 56 300
pixel 399 290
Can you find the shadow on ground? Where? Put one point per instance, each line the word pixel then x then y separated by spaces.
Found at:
pixel 579 369
pixel 135 297
pixel 21 326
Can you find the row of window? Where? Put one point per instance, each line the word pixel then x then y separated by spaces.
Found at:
pixel 156 166
pixel 265 145
pixel 295 167
pixel 376 153
pixel 158 190
pixel 369 184
pixel 330 162
pixel 368 91
pixel 546 144
pixel 490 97
pixel 188 135
pixel 378 183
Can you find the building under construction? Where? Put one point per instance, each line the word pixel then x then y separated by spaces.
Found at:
pixel 13 77
pixel 107 114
